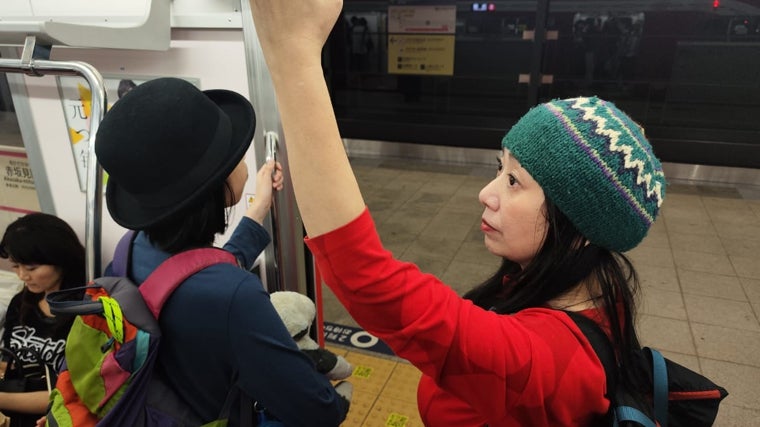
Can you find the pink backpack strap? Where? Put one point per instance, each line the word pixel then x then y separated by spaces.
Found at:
pixel 157 288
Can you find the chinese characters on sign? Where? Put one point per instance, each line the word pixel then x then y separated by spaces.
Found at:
pixel 421 40
pixel 18 195
pixel 421 54
pixel 17 174
pixel 76 100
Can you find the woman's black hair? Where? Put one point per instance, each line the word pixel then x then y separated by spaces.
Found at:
pixel 43 239
pixel 562 262
pixel 196 225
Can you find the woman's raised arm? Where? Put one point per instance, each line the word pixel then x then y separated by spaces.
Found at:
pixel 292 33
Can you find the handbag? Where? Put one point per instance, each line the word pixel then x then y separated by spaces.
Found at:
pixel 22 376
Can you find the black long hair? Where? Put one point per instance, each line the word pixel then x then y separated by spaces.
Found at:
pixel 196 225
pixel 43 239
pixel 563 261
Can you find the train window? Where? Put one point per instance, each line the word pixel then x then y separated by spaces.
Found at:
pixel 687 72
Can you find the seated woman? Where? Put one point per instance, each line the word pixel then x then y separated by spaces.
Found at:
pixel 47 256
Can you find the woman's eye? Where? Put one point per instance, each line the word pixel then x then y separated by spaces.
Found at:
pixel 512 179
pixel 499 166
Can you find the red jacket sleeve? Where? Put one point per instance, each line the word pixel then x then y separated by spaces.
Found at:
pixel 496 363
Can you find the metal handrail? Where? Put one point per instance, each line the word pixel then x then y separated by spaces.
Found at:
pixel 34 62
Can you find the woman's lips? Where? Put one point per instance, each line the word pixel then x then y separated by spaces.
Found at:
pixel 485 226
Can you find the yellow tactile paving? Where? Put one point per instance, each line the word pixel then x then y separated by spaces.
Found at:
pixel 361 405
pixel 340 351
pixel 385 391
pixel 370 373
pixel 402 385
pixel 387 412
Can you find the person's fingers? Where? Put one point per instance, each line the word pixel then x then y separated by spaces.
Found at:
pixel 277 177
pixel 267 168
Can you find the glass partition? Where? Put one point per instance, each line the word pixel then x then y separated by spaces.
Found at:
pixel 689 71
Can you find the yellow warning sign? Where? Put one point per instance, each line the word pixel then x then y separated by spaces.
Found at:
pixel 362 371
pixel 425 54
pixel 396 420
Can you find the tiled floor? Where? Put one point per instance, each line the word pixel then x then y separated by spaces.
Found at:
pixel 699 268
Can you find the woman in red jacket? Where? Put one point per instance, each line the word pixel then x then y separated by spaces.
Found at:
pixel 577 184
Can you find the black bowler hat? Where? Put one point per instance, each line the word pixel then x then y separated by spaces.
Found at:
pixel 165 144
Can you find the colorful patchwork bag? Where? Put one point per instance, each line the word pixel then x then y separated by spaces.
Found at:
pixel 107 378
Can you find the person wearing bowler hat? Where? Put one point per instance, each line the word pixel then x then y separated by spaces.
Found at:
pixel 174 156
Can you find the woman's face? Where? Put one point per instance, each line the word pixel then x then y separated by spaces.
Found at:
pixel 38 278
pixel 514 221
pixel 236 181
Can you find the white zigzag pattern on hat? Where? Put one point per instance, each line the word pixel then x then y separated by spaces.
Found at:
pixel 614 136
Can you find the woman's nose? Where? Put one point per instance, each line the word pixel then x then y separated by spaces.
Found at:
pixel 22 274
pixel 488 197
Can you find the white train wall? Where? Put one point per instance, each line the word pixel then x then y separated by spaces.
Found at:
pixel 210 42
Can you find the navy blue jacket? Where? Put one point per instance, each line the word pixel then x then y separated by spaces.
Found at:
pixel 220 322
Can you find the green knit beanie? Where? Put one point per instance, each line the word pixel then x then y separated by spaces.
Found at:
pixel 595 164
